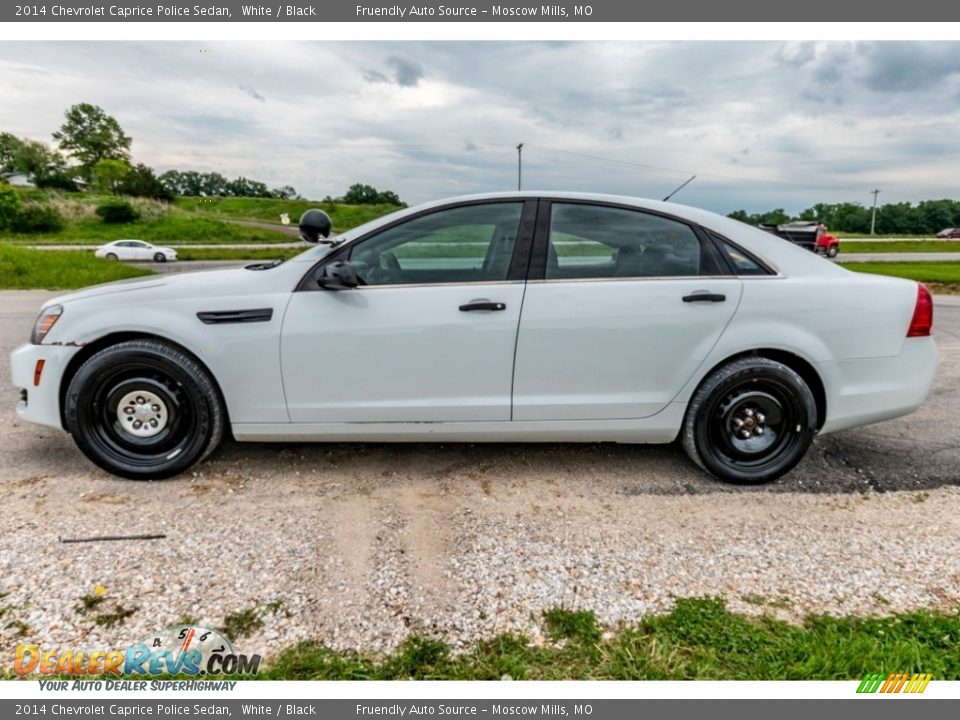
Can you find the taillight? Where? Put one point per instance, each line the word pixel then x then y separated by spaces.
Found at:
pixel 922 322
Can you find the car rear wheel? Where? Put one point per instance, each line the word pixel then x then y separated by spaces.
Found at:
pixel 144 410
pixel 159 257
pixel 750 422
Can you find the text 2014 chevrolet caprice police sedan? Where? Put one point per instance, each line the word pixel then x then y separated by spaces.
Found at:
pixel 501 317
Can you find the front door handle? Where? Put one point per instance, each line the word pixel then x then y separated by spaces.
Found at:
pixel 705 297
pixel 482 305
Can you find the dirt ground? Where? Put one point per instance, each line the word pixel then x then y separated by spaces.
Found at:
pixel 359 545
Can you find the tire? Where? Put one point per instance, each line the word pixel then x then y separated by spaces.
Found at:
pixel 759 394
pixel 159 257
pixel 112 256
pixel 832 251
pixel 144 410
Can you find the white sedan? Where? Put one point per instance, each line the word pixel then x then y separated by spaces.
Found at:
pixel 502 317
pixel 135 250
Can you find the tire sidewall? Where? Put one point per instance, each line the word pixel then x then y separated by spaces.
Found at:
pixel 80 406
pixel 759 371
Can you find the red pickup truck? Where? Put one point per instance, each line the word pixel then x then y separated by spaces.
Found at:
pixel 807 233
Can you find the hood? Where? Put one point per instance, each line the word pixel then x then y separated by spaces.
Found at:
pixel 200 283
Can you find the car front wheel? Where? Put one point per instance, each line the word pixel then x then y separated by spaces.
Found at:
pixel 112 256
pixel 832 251
pixel 750 422
pixel 159 257
pixel 144 410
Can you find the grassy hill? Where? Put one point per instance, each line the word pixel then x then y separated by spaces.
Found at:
pixel 268 210
pixel 184 222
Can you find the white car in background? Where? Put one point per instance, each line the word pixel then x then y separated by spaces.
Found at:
pixel 527 317
pixel 135 250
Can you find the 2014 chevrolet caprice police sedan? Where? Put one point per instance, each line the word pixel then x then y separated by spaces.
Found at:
pixel 498 317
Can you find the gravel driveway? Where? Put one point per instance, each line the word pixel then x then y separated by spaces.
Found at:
pixel 360 545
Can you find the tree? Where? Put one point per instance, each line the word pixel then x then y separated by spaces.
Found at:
pixel 90 135
pixel 108 175
pixel 142 182
pixel 360 194
pixel 43 166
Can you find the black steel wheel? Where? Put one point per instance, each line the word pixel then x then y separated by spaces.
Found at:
pixel 750 422
pixel 142 409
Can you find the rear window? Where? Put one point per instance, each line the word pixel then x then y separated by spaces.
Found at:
pixel 740 261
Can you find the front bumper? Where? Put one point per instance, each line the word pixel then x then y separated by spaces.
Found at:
pixel 868 390
pixel 42 402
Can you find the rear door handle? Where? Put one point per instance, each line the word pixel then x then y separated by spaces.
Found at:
pixel 705 297
pixel 482 305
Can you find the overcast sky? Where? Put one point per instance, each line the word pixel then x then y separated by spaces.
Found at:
pixel 762 124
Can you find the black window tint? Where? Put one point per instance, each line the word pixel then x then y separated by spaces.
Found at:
pixel 596 241
pixel 472 243
pixel 741 262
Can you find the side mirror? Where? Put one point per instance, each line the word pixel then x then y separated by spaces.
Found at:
pixel 338 275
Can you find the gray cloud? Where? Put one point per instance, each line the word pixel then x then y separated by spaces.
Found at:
pixel 761 124
pixel 403 72
pixel 252 93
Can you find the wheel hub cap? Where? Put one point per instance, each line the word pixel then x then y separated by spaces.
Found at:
pixel 142 413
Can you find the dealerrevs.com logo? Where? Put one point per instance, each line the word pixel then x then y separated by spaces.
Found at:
pixel 179 650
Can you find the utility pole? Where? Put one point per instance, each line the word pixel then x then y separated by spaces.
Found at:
pixel 519 165
pixel 873 213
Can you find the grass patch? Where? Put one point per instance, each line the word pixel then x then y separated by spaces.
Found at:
pixel 25 269
pixel 242 623
pixel 344 217
pixel 172 228
pixel 188 253
pixel 700 639
pixel 852 248
pixel 926 272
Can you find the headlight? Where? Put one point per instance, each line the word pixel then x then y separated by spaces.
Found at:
pixel 48 318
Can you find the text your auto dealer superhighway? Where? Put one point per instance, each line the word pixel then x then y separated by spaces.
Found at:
pixel 137 11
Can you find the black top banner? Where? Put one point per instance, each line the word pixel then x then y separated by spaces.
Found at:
pixel 472 11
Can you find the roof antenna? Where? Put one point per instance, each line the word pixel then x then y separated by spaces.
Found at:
pixel 680 188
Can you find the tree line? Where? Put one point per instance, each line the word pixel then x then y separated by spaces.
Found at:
pixel 926 217
pixel 92 152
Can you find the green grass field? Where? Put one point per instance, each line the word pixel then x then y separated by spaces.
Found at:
pixel 184 222
pixel 344 217
pixel 265 253
pixel 25 269
pixel 852 248
pixel 699 639
pixel 928 272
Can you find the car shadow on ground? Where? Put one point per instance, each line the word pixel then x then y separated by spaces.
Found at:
pixel 852 462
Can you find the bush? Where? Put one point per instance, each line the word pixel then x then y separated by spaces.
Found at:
pixel 9 206
pixel 117 211
pixel 38 219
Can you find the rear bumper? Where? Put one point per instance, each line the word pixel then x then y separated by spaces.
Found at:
pixel 868 390
pixel 42 403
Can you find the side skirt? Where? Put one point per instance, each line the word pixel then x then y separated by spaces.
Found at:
pixel 660 428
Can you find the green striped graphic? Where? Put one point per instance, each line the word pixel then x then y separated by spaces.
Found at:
pixel 870 683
